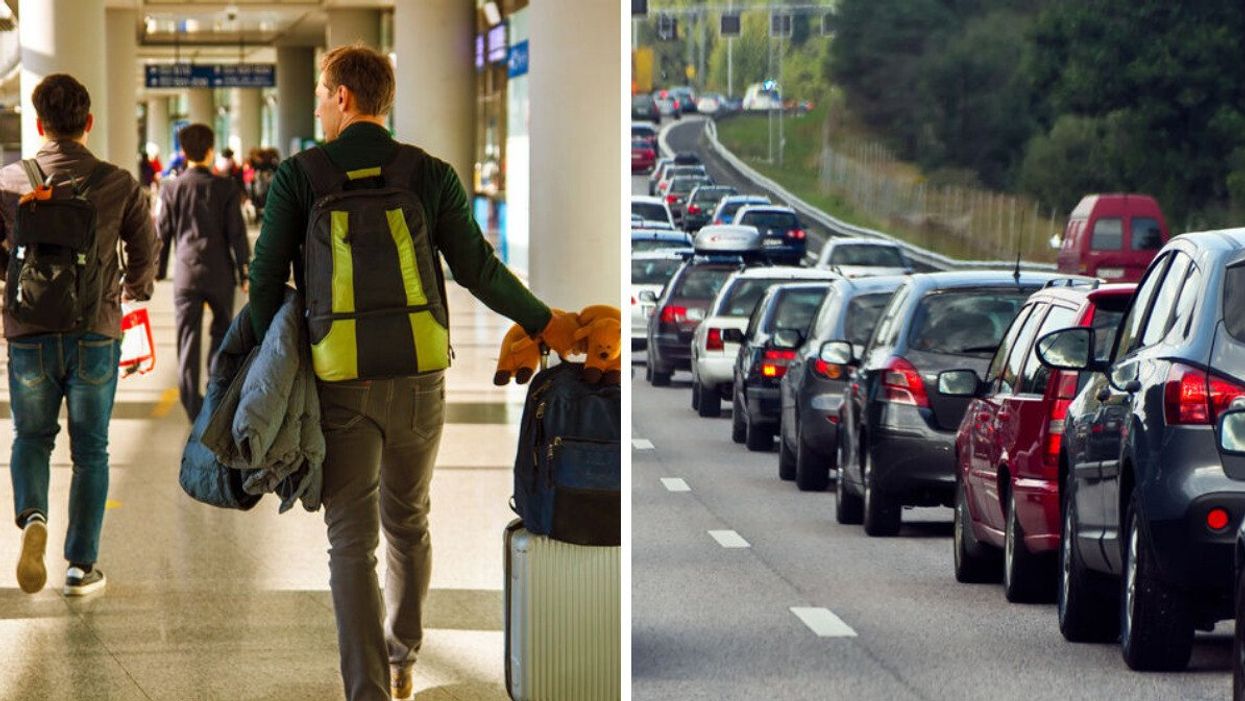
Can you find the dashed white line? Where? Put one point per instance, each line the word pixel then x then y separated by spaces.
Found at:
pixel 823 622
pixel 641 444
pixel 729 539
pixel 674 484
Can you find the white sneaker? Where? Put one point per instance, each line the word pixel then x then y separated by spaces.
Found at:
pixel 31 572
pixel 79 583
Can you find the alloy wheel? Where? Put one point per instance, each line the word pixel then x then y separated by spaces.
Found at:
pixel 1130 579
pixel 1065 561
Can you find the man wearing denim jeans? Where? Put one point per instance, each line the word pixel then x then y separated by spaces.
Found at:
pixel 79 369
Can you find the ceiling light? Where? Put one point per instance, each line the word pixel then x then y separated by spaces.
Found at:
pixel 491 13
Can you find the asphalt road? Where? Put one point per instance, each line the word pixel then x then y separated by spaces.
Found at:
pixel 715 622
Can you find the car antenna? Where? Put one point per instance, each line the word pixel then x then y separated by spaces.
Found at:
pixel 1016 272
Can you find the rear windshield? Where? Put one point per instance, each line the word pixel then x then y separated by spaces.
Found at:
pixel 643 130
pixel 702 282
pixel 639 143
pixel 966 322
pixel 771 220
pixel 796 309
pixel 684 185
pixel 863 313
pixel 729 209
pixel 650 245
pixel 743 295
pixel 878 256
pixel 1147 236
pixel 650 211
pixel 710 194
pixel 677 170
pixel 641 101
pixel 1234 302
pixel 653 272
pixel 1108 234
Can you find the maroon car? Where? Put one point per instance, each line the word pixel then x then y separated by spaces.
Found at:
pixel 1007 448
pixel 643 156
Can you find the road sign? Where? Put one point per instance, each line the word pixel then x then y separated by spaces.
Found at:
pixel 206 75
pixel 730 25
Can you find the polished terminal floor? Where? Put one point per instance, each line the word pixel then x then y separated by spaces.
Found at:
pixel 204 603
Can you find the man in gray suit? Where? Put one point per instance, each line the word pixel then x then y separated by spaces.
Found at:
pixel 202 213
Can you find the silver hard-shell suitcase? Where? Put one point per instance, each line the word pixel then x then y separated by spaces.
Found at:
pixel 563 619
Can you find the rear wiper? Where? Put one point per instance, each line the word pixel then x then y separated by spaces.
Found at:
pixel 980 349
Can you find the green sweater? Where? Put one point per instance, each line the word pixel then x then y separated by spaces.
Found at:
pixel 453 229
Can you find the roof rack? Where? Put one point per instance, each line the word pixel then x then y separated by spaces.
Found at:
pixel 1091 283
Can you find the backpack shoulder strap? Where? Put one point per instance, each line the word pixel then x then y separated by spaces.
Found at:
pixel 93 178
pixel 326 178
pixel 33 172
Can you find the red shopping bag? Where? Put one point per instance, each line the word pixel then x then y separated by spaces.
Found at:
pixel 138 350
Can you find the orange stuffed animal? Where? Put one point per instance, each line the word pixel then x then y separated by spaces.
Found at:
pixel 519 356
pixel 604 339
pixel 595 331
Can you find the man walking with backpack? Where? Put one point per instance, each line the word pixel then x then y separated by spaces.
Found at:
pixel 202 213
pixel 65 214
pixel 368 264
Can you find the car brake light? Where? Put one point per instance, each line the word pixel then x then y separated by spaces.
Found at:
pixel 902 384
pixel 1065 392
pixel 672 314
pixel 713 341
pixel 693 209
pixel 1193 396
pixel 1217 519
pixel 774 362
pixel 830 371
pixel 671 199
pixel 797 234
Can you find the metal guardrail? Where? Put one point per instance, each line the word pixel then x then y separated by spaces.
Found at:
pixel 838 227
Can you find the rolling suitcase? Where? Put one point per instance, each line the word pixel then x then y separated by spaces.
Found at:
pixel 563 619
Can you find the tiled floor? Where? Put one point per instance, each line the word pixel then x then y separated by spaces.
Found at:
pixel 210 604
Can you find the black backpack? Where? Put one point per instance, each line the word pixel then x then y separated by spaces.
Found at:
pixel 568 470
pixel 55 282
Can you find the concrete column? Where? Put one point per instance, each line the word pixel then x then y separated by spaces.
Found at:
pixel 576 203
pixel 202 107
pixel 122 46
pixel 63 36
pixel 245 118
pixel 435 110
pixel 350 25
pixel 158 126
pixel 296 95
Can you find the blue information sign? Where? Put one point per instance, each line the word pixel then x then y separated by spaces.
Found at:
pixel 516 62
pixel 200 75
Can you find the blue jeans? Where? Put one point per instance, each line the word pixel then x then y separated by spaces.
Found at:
pixel 80 369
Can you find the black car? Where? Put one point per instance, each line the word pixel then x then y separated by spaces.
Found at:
pixel 785 239
pixel 701 203
pixel 812 387
pixel 644 109
pixel 776 328
pixel 680 189
pixel 1151 500
pixel 897 436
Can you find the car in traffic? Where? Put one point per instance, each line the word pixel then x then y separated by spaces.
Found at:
pixel 644 109
pixel 1007 448
pixel 709 104
pixel 676 170
pixel 685 300
pixel 761 97
pixel 897 435
pixel 731 204
pixel 775 330
pixel 1152 498
pixel 643 156
pixel 686 97
pixel 651 209
pixel 812 388
pixel 650 271
pixel 644 240
pixel 785 239
pixel 701 203
pixel 667 105
pixel 858 257
pixel 716 341
pixel 680 189
pixel 1113 237
pixel 645 130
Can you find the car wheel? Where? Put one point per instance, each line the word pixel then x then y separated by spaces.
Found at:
pixel 1027 577
pixel 1156 621
pixel 758 439
pixel 786 459
pixel 709 403
pixel 739 430
pixel 1085 599
pixel 648 371
pixel 695 394
pixel 660 377
pixel 881 517
pixel 848 508
pixel 812 472
pixel 1238 645
pixel 975 561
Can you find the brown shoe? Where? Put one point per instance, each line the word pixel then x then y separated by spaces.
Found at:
pixel 32 574
pixel 401 681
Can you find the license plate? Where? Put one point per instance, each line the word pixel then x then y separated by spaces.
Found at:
pixel 1110 272
pixel 772 243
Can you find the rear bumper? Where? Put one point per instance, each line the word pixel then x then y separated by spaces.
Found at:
pixel 691 222
pixel 715 370
pixel 1037 508
pixel 764 406
pixel 816 429
pixel 786 251
pixel 911 461
pixel 670 352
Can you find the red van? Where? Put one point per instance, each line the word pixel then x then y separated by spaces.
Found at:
pixel 1007 449
pixel 1113 237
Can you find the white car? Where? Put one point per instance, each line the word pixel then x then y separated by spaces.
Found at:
pixel 709 104
pixel 715 343
pixel 651 209
pixel 758 97
pixel 650 271
pixel 861 257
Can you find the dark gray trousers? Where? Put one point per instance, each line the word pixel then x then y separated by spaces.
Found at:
pixel 188 304
pixel 382 439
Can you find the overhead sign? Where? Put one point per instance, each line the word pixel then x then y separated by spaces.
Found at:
pixel 207 75
pixel 516 62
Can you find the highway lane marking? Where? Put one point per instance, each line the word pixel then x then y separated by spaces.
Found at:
pixel 823 622
pixel 641 444
pixel 674 484
pixel 729 539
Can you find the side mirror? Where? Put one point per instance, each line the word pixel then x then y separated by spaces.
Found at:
pixel 1232 432
pixel 959 383
pixel 787 339
pixel 732 336
pixel 1068 349
pixel 837 353
pixel 648 297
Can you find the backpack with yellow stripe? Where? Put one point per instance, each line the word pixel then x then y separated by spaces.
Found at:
pixel 375 298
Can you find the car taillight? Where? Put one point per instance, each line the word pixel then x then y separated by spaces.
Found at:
pixel 830 371
pixel 693 209
pixel 713 341
pixel 1065 392
pixel 671 199
pixel 1217 519
pixel 902 384
pixel 672 314
pixel 774 362
pixel 1193 396
pixel 797 234
pixel 717 221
